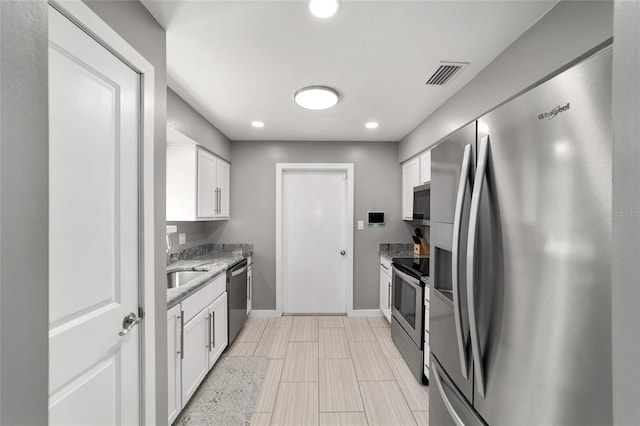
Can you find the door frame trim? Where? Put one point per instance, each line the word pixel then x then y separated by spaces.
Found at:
pixel 348 168
pixel 85 18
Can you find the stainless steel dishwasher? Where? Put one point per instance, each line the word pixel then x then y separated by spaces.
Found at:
pixel 237 298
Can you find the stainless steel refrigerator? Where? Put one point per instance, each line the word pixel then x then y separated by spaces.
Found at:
pixel 520 327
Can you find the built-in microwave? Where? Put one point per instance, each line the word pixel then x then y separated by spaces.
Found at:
pixel 422 204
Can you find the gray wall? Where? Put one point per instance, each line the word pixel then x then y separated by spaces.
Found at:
pixel 195 234
pixel 569 30
pixel 136 25
pixel 253 193
pixel 626 219
pixel 24 219
pixel 182 117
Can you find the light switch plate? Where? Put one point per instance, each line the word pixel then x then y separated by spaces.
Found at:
pixel 183 238
pixel 360 225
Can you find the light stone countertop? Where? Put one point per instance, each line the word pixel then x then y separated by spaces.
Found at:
pixel 391 250
pixel 214 263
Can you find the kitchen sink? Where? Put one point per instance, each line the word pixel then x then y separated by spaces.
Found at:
pixel 179 278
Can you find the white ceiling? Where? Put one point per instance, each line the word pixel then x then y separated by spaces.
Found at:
pixel 240 61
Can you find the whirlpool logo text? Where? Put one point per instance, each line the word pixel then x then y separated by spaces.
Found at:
pixel 549 115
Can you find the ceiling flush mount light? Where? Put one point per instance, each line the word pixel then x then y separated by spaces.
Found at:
pixel 257 124
pixel 316 97
pixel 324 8
pixel 372 125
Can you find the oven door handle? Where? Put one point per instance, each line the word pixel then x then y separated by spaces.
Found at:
pixel 408 278
pixel 455 260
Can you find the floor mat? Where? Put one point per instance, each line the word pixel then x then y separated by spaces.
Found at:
pixel 227 395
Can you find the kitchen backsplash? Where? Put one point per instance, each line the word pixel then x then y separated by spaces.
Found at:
pixel 394 247
pixel 203 249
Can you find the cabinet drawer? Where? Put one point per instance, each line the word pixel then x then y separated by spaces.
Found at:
pixel 385 265
pixel 204 297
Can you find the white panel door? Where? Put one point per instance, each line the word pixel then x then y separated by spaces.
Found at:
pixel 94 98
pixel 314 223
pixel 207 191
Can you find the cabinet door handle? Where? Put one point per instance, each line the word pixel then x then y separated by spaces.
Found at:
pixel 249 288
pixel 181 335
pixel 213 328
pixel 220 203
pixel 389 300
pixel 384 266
pixel 209 323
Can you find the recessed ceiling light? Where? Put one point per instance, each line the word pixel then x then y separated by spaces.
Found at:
pixel 324 8
pixel 257 124
pixel 371 125
pixel 316 97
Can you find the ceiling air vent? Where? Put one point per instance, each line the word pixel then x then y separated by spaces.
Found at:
pixel 444 73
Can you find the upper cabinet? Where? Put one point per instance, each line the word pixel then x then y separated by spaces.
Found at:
pixel 425 167
pixel 415 172
pixel 410 178
pixel 198 182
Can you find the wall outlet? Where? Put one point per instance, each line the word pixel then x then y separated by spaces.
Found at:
pixel 360 225
pixel 183 238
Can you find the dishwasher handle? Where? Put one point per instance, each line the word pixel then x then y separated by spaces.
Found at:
pixel 236 272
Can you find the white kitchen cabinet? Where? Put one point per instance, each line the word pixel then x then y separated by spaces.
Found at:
pixel 198 182
pixel 385 288
pixel 174 371
pixel 207 200
pixel 425 168
pixel 426 331
pixel 196 337
pixel 218 336
pixel 223 177
pixel 410 178
pixel 195 361
pixel 249 284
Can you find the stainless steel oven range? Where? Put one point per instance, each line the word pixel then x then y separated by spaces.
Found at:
pixel 407 311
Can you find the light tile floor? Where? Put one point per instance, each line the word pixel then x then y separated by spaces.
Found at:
pixel 331 370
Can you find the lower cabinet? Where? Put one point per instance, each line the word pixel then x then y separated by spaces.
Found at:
pixel 385 288
pixel 174 373
pixel 249 284
pixel 427 348
pixel 195 363
pixel 194 346
pixel 218 338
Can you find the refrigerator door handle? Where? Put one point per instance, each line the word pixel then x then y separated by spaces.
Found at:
pixel 455 252
pixel 471 251
pixel 447 403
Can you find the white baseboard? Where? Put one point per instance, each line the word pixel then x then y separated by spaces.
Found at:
pixel 354 313
pixel 264 313
pixel 365 313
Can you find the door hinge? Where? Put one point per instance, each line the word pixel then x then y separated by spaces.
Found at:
pixel 140 312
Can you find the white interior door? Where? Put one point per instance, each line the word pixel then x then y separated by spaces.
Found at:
pixel 314 234
pixel 93 220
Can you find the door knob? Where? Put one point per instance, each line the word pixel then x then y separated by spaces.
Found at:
pixel 128 323
pixel 342 252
